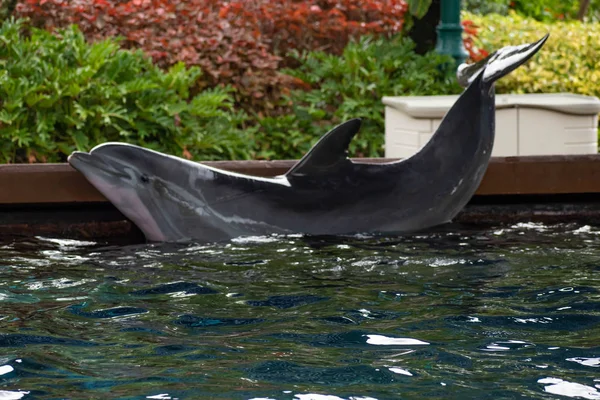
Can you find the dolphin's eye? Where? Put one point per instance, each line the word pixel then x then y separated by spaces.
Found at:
pixel 144 178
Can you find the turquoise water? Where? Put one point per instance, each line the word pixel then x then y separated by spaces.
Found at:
pixel 503 313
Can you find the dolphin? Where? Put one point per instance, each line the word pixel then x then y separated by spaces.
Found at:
pixel 172 199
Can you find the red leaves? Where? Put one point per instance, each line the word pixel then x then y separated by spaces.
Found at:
pixel 236 42
pixel 470 33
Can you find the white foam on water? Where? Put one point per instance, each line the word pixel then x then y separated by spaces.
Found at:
pixel 380 340
pixel 569 389
pixel 588 362
pixel 71 298
pixel 400 371
pixel 495 347
pixel 502 346
pixel 529 225
pixel 543 320
pixel 445 262
pixel 362 236
pixel 10 395
pixel 66 242
pixel 586 229
pixel 5 369
pixel 314 396
pixel 256 239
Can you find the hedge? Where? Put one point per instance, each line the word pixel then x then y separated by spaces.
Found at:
pixel 349 86
pixel 569 61
pixel 59 93
pixel 236 42
pixel 541 10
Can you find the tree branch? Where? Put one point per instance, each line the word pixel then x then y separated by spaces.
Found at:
pixel 583 8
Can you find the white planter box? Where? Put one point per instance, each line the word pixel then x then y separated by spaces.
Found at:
pixel 526 124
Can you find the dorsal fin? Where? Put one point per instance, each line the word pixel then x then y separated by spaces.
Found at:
pixel 331 151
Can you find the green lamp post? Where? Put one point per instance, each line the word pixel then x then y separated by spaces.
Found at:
pixel 449 40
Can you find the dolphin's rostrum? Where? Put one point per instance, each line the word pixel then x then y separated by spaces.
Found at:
pixel 172 199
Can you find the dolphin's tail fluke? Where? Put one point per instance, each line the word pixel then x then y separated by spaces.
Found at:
pixel 499 63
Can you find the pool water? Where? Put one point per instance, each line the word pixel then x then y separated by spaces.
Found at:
pixel 502 313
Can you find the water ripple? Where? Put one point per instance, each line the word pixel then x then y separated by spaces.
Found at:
pixel 457 312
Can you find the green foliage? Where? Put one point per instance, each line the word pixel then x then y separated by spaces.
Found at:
pixel 349 86
pixel 418 8
pixel 567 63
pixel 546 10
pixel 551 10
pixel 593 11
pixel 58 93
pixel 484 7
pixel 238 43
pixel 541 10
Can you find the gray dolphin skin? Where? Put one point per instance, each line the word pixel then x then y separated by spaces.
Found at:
pixel 172 199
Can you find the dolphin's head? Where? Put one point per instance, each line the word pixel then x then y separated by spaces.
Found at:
pixel 149 188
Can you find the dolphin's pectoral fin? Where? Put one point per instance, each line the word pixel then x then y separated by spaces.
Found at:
pixel 330 152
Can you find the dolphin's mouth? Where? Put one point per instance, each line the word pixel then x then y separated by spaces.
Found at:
pixel 83 161
pixel 77 157
pixel 87 163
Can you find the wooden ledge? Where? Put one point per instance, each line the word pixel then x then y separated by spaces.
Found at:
pixel 29 184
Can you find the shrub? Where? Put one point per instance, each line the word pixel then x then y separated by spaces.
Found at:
pixel 486 6
pixel 58 93
pixel 229 52
pixel 470 33
pixel 567 63
pixel 326 25
pixel 234 42
pixel 551 10
pixel 541 10
pixel 349 86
